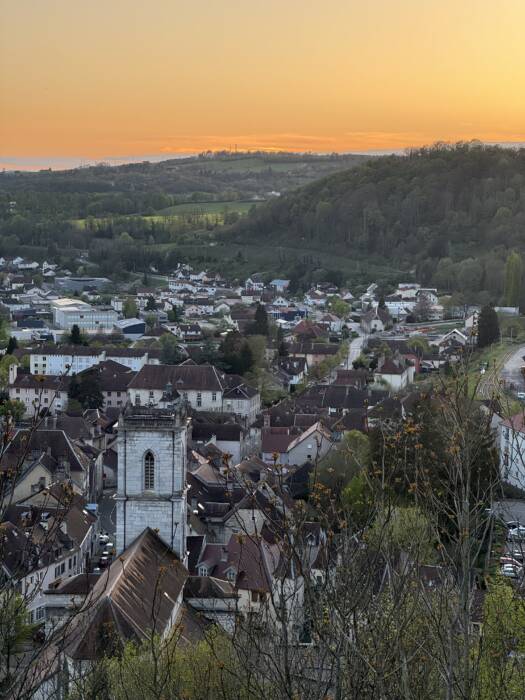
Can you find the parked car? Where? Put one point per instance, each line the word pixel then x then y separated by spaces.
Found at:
pixel 510 570
pixel 521 395
pixel 103 539
pixel 517 533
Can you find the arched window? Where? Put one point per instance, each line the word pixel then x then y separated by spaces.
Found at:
pixel 149 471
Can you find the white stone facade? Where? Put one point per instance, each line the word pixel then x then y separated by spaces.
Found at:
pixel 162 434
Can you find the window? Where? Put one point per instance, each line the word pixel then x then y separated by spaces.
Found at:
pixel 40 613
pixel 203 570
pixel 231 576
pixel 151 394
pixel 214 396
pixel 109 393
pixel 199 399
pixel 149 471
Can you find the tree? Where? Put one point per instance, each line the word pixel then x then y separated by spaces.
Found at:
pixel 513 279
pixel 75 337
pixel 259 326
pixel 423 309
pixel 174 314
pixel 15 409
pixel 171 353
pixel 11 345
pixel 85 388
pixel 340 466
pixel 338 306
pixel 130 308
pixel 502 644
pixel 151 304
pixel 488 326
pixel 236 354
pixel 15 632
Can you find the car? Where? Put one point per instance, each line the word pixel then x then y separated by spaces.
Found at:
pixel 520 395
pixel 511 524
pixel 510 570
pixel 104 561
pixel 516 533
pixel 516 551
pixel 511 561
pixel 97 570
pixel 103 539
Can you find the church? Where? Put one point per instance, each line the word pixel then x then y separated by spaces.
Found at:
pixel 151 487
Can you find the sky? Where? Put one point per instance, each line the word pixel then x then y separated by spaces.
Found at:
pixel 128 79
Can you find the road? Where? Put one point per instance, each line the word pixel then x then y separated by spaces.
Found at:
pixel 355 347
pixel 107 514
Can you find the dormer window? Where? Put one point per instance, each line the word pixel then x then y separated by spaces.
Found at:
pixel 203 570
pixel 231 575
pixel 149 471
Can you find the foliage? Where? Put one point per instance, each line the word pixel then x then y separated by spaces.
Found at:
pixel 151 304
pixel 513 279
pixel 15 631
pixel 76 337
pixel 171 353
pixel 11 345
pixel 14 409
pixel 502 644
pixel 341 465
pixel 488 326
pixel 259 326
pixel 129 308
pixel 236 355
pixel 339 307
pixel 451 211
pixel 404 529
pixel 85 388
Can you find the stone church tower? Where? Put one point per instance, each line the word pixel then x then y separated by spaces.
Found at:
pixel 151 484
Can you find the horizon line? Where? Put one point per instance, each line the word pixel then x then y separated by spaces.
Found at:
pixel 10 164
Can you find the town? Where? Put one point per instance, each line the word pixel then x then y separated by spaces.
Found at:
pixel 181 420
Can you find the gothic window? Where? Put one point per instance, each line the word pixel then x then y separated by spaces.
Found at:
pixel 149 471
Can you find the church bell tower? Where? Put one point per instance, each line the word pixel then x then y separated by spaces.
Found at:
pixel 151 481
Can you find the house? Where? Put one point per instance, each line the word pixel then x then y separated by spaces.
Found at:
pixel 229 437
pixel 72 359
pixel 38 392
pixel 512 450
pixel 292 370
pixel 49 456
pixel 48 536
pixel 397 373
pixel 204 387
pixel 113 380
pixel 309 446
pixel 280 286
pixel 376 320
pixel 140 596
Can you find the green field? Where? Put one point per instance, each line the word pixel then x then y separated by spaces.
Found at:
pixel 194 212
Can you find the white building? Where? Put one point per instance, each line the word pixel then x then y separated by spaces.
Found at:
pixel 512 450
pixel 151 489
pixel 72 359
pixel 74 312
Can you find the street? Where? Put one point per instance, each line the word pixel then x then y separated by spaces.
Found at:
pixel 107 513
pixel 355 346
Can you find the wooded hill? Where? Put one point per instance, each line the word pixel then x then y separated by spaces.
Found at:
pixel 452 213
pixel 145 188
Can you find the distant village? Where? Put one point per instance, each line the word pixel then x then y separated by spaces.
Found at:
pixel 123 402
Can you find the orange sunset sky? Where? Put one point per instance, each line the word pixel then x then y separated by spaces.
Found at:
pixel 110 78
